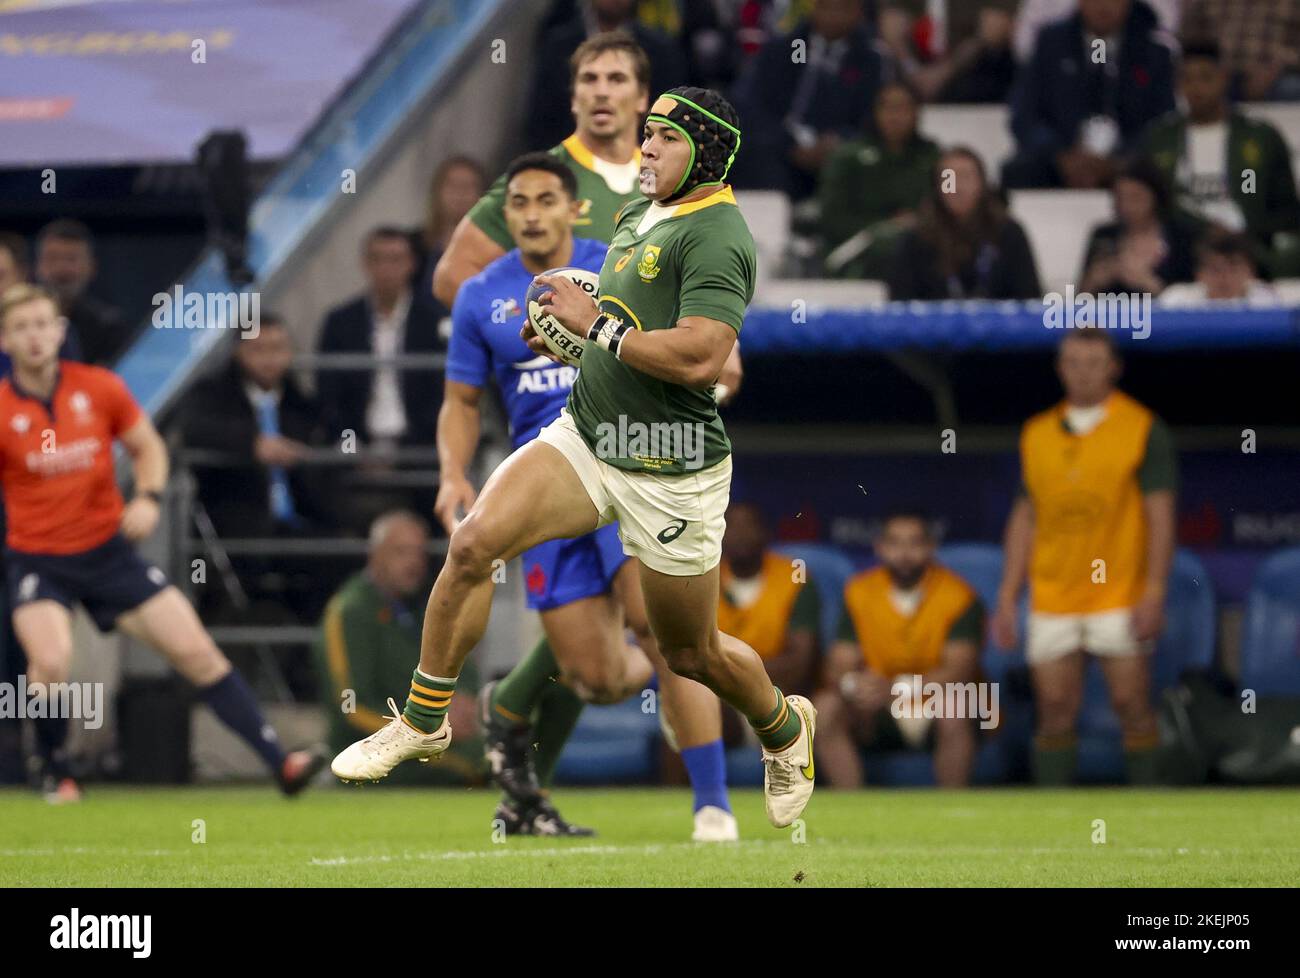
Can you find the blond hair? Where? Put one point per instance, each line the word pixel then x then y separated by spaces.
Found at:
pixel 22 294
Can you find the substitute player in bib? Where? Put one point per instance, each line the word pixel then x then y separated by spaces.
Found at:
pixel 583 588
pixel 1093 531
pixel 641 443
pixel 69 535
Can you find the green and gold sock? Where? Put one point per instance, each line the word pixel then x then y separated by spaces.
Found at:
pixel 516 695
pixel 427 702
pixel 1141 758
pixel 1055 759
pixel 557 714
pixel 780 728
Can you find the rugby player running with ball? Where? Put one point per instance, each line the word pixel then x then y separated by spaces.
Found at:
pixel 673 290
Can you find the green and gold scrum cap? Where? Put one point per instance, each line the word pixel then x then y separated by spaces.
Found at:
pixel 711 128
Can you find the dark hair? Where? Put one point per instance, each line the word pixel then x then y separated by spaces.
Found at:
pixel 16 245
pixel 598 44
pixel 899 84
pixel 434 219
pixel 544 161
pixel 909 513
pixel 1091 334
pixel 1226 244
pixel 388 232
pixel 1202 49
pixel 65 229
pixel 1144 170
pixel 957 243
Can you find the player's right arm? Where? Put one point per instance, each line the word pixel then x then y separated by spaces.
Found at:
pixel 469 363
pixel 468 252
pixel 1017 542
pixel 458 433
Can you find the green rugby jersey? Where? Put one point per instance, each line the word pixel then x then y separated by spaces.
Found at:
pixel 599 194
pixel 696 260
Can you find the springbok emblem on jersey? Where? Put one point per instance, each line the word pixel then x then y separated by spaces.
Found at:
pixel 648 266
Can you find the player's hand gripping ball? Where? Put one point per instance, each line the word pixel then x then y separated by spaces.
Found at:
pixel 562 342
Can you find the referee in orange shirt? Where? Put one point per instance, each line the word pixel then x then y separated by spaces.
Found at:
pixel 69 535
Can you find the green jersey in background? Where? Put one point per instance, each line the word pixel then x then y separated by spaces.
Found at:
pixel 603 188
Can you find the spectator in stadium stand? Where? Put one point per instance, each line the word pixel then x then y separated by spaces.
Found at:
pixel 1261 44
pixel 1147 246
pixel 367 640
pixel 870 188
pixel 65 264
pixel 805 93
pixel 909 617
pixel 1205 152
pixel 961 55
pixel 1092 534
pixel 254 415
pixel 383 405
pixel 1033 15
pixel 1094 83
pixel 14 261
pixel 550 116
pixel 768 601
pixel 15 269
pixel 458 182
pixel 964 245
pixel 1225 272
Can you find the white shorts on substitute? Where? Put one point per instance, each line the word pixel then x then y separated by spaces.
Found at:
pixel 671 523
pixel 1108 633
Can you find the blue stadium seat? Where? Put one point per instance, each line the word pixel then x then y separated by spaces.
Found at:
pixel 980 566
pixel 611 744
pixel 829 569
pixel 1270 653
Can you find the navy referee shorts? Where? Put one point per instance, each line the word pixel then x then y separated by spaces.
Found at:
pixel 108 580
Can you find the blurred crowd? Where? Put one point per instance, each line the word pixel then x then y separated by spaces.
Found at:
pixel 1135 97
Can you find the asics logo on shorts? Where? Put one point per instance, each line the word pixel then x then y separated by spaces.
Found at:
pixel 672 531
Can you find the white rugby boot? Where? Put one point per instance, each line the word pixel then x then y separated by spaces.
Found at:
pixel 373 758
pixel 713 824
pixel 788 775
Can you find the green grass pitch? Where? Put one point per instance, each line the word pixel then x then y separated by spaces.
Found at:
pixel 388 836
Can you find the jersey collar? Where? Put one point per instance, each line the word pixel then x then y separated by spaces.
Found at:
pixel 54 391
pixel 587 159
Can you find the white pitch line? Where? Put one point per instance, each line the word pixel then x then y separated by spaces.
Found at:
pixel 507 851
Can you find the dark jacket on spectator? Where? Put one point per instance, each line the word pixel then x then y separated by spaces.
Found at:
pixel 344 394
pixel 1271 205
pixel 1179 264
pixel 218 417
pixel 766 98
pixel 103 333
pixel 1060 88
pixel 1003 268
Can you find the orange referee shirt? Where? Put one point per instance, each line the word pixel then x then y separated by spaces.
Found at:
pixel 60 493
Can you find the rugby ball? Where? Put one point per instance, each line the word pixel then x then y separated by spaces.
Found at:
pixel 559 340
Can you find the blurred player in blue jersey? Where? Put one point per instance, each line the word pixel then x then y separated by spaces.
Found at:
pixel 587 591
